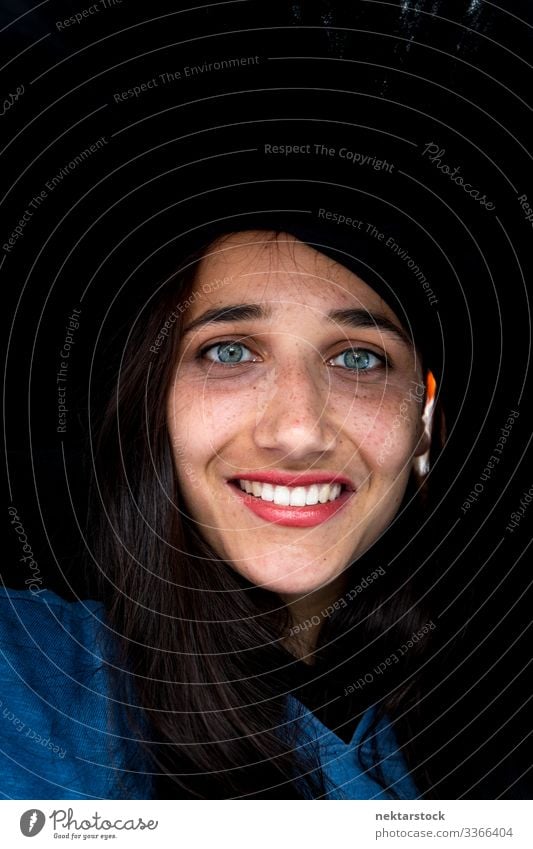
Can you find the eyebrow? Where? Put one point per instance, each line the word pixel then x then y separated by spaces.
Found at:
pixel 356 318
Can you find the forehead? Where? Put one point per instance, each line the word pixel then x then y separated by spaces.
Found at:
pixel 280 270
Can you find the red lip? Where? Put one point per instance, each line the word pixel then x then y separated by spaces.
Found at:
pixel 296 517
pixel 295 478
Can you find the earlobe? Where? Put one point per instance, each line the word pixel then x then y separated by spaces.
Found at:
pixel 421 458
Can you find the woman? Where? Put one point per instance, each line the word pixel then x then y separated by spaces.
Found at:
pixel 273 422
pixel 374 149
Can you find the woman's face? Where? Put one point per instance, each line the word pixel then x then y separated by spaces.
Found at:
pixel 319 379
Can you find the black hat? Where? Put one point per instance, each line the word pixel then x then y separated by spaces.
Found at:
pixel 387 136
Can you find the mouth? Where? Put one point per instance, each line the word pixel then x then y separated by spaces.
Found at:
pixel 294 506
pixel 291 496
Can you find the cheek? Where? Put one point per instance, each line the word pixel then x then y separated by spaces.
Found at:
pixel 388 432
pixel 182 418
pixel 201 423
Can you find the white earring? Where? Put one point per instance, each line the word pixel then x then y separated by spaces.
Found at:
pixel 421 463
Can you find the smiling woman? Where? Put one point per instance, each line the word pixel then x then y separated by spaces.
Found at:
pixel 282 407
pixel 252 556
pixel 250 461
pixel 261 462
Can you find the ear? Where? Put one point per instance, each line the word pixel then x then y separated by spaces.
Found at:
pixel 421 455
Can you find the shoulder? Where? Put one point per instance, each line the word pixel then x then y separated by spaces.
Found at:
pixel 27 616
pixel 56 704
pixel 43 636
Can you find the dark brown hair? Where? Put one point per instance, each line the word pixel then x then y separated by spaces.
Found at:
pixel 198 645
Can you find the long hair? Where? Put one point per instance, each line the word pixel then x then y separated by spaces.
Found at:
pixel 198 646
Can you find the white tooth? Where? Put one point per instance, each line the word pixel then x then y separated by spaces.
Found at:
pixel 267 493
pixel 297 496
pixel 324 493
pixel 312 494
pixel 282 496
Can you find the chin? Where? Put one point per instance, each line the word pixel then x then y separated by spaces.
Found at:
pixel 283 582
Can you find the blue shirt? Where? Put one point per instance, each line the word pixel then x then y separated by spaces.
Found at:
pixel 56 740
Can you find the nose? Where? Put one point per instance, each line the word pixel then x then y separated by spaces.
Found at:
pixel 292 414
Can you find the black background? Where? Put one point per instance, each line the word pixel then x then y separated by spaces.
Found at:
pixel 370 75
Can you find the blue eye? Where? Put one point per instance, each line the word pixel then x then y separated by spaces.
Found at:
pixel 229 353
pixel 360 359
